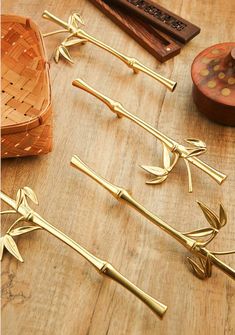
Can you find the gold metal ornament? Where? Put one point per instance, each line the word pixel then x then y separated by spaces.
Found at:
pixel 172 150
pixel 27 214
pixel 78 36
pixel 195 241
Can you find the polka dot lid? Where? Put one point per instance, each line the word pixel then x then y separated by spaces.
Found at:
pixel 213 75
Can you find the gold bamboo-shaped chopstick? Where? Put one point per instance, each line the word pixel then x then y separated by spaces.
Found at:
pixel 21 206
pixel 72 26
pixel 172 150
pixel 190 240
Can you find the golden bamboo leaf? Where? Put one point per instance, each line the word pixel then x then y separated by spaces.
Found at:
pixel 8 212
pixel 57 55
pixel 202 262
pixel 196 142
pixel 70 20
pixel 75 20
pixel 19 198
pixel 190 183
pixel 166 157
pixel 157 171
pixel 1 247
pixel 222 216
pixel 200 232
pixel 75 41
pixel 30 194
pixel 23 230
pixel 75 23
pixel 198 271
pixel 12 247
pixel 77 17
pixel 157 180
pixel 210 215
pixel 64 52
pixel 208 267
pixel 174 160
pixel 227 252
pixel 195 152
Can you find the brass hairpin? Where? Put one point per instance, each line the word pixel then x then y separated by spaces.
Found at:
pixel 195 241
pixel 27 214
pixel 78 36
pixel 172 150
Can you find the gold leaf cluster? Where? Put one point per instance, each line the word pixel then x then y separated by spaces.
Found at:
pixel 161 174
pixel 202 270
pixel 7 240
pixel 171 158
pixel 74 21
pixel 216 222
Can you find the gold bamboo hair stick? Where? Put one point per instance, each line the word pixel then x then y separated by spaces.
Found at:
pixel 195 241
pixel 172 150
pixel 21 206
pixel 78 36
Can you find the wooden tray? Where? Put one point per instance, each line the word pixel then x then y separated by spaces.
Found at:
pixel 26 114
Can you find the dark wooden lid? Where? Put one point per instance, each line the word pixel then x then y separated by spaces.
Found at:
pixel 213 75
pixel 213 72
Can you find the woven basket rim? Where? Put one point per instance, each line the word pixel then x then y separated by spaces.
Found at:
pixel 37 120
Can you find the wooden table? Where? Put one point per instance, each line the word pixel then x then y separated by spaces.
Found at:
pixel 55 292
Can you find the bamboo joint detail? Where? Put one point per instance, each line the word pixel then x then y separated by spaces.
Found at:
pixel 195 241
pixel 78 36
pixel 172 150
pixel 21 206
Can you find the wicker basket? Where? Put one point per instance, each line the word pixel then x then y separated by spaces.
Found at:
pixel 26 114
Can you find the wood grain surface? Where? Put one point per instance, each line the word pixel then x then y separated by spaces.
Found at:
pixel 55 291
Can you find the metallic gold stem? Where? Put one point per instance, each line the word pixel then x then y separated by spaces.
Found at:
pixel 48 16
pixel 101 266
pixel 55 32
pixel 117 108
pixel 78 163
pixel 170 84
pixel 122 194
pixel 223 252
pixel 82 34
pixel 152 303
pixel 37 219
pixel 218 176
pixel 133 63
pixel 217 262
